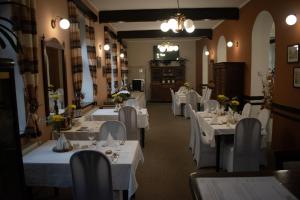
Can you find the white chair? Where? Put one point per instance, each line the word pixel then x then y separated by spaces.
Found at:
pixel 246 110
pixel 128 116
pixel 263 117
pixel 191 98
pixel 243 154
pixel 192 129
pixel 116 128
pixel 211 105
pixel 204 155
pixel 206 96
pixel 176 109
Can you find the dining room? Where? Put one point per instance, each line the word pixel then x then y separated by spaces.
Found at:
pixel 149 99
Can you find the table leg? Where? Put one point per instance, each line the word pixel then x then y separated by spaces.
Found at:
pixel 142 137
pixel 125 195
pixel 218 146
pixel 182 109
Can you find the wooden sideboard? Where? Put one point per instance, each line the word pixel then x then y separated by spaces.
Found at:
pixel 229 79
pixel 165 76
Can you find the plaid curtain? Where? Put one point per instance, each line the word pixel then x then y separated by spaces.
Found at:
pixel 23 15
pixel 91 52
pixel 114 66
pixel 111 69
pixel 76 58
pixel 124 67
pixel 107 40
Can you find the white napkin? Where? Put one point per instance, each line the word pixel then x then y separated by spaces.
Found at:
pixel 109 140
pixel 206 114
pixel 214 120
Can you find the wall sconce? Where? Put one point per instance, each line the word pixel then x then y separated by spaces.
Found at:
pixel 291 20
pixel 106 47
pixel 63 23
pixel 230 44
pixel 122 55
pixel 206 53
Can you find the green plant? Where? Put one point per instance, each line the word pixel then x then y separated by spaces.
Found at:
pixel 9 35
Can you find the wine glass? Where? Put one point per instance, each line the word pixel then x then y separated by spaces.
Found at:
pixel 92 137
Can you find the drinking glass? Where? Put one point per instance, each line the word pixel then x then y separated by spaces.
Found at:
pixel 92 137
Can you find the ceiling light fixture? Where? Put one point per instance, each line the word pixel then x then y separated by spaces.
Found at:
pixel 122 55
pixel 177 23
pixel 206 52
pixel 106 47
pixel 63 23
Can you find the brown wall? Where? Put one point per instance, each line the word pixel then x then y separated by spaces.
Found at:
pixel 241 30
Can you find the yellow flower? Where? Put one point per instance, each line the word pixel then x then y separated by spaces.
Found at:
pixel 72 106
pixel 55 96
pixel 57 118
pixel 235 103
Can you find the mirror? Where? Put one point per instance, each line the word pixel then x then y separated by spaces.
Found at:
pixel 54 75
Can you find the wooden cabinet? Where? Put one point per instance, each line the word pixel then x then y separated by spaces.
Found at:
pixel 229 79
pixel 164 77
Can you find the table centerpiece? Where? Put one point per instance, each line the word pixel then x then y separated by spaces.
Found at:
pixel 119 98
pixel 62 144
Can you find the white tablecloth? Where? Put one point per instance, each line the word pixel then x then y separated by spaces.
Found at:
pixel 81 129
pixel 215 129
pixel 136 99
pixel 110 114
pixel 43 167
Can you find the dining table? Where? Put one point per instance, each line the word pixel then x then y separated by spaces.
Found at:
pixel 111 114
pixel 216 128
pixel 44 167
pixel 275 185
pixel 81 129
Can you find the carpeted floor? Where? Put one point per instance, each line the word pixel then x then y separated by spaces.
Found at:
pixel 168 161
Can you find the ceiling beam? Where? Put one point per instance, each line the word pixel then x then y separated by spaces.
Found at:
pixel 163 14
pixel 159 34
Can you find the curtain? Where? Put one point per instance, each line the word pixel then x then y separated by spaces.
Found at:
pixel 114 65
pixel 124 67
pixel 111 69
pixel 23 15
pixel 91 52
pixel 107 40
pixel 76 57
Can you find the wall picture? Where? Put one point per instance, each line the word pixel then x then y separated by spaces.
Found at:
pixel 297 77
pixel 293 53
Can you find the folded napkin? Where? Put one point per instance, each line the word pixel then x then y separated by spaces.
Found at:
pixel 109 140
pixel 206 114
pixel 214 120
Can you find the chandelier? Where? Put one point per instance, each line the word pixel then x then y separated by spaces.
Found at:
pixel 177 23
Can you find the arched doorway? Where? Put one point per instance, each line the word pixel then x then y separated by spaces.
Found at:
pixel 221 50
pixel 263 51
pixel 204 66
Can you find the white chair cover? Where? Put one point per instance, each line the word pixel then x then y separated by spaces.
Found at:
pixel 175 107
pixel 128 116
pixel 246 110
pixel 116 128
pixel 243 155
pixel 191 98
pixel 263 117
pixel 204 154
pixel 211 105
pixel 192 129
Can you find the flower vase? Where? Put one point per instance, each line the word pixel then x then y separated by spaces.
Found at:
pixel 117 107
pixel 55 107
